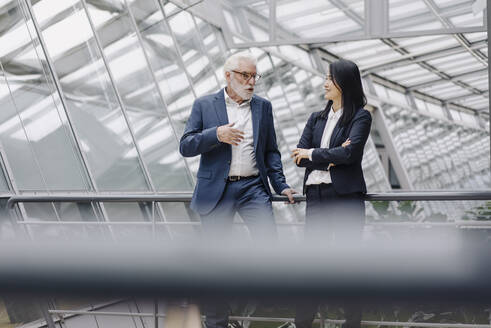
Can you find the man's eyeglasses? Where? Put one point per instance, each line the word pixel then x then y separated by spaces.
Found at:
pixel 247 76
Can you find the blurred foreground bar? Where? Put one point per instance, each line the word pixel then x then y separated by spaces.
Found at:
pixel 432 269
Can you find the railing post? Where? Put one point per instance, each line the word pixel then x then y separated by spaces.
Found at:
pixel 154 235
pixel 47 316
pixel 155 313
pixel 322 318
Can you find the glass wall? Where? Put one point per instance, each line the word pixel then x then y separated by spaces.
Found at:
pixel 94 97
pixel 102 110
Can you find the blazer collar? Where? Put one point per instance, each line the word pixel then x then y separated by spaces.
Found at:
pixel 256 119
pixel 321 125
pixel 337 129
pixel 220 107
pixel 319 131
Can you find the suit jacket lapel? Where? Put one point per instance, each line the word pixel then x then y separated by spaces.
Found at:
pixel 220 108
pixel 337 129
pixel 318 132
pixel 256 116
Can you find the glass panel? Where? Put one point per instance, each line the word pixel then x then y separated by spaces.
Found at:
pixel 412 15
pixel 135 219
pixel 287 132
pixel 4 185
pixel 145 108
pixel 373 171
pixel 438 154
pixel 62 221
pixel 8 226
pixel 417 15
pixel 92 103
pixel 318 18
pixel 33 126
pixel 187 223
pixel 39 212
pixel 16 310
pixel 195 61
pixel 166 65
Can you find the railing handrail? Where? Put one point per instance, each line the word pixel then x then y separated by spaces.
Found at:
pixel 186 197
pixel 276 319
pixel 461 223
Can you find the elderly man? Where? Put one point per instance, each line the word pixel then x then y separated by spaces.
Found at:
pixel 233 131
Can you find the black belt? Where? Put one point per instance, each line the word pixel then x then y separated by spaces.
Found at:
pixel 234 178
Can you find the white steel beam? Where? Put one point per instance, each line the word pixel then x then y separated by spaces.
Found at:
pixel 341 38
pixel 381 125
pixel 318 62
pixel 272 20
pixel 377 17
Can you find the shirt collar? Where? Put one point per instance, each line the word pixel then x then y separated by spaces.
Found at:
pixel 335 115
pixel 229 100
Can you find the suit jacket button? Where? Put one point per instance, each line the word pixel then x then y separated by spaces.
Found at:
pixel 229 162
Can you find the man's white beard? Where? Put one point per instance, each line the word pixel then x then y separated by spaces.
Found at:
pixel 241 90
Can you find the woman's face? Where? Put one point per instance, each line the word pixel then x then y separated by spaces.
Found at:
pixel 332 91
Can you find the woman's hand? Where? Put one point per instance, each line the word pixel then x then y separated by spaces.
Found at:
pixel 298 154
pixel 344 145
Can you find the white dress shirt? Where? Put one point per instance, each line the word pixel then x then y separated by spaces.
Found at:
pixel 243 157
pixel 316 176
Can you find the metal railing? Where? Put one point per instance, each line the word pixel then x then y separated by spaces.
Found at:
pixel 153 199
pixel 186 197
pixel 281 320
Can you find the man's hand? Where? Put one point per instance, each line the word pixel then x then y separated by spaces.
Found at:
pixel 299 153
pixel 289 193
pixel 226 133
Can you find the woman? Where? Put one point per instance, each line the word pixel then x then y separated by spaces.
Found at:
pixel 331 150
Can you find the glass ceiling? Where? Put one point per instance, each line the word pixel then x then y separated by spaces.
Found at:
pixel 450 68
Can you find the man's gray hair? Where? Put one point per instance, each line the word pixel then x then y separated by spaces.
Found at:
pixel 232 62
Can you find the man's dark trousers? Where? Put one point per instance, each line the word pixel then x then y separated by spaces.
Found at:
pixel 250 200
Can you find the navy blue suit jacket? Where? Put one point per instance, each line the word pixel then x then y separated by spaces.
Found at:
pixel 347 175
pixel 200 138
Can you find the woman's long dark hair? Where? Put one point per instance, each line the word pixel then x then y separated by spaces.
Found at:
pixel 346 76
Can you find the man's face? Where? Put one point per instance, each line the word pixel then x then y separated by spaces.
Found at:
pixel 242 79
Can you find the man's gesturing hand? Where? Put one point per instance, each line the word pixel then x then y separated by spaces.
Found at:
pixel 226 133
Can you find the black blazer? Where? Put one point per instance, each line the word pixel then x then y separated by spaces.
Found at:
pixel 347 175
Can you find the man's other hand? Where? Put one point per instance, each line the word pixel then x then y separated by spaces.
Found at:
pixel 289 193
